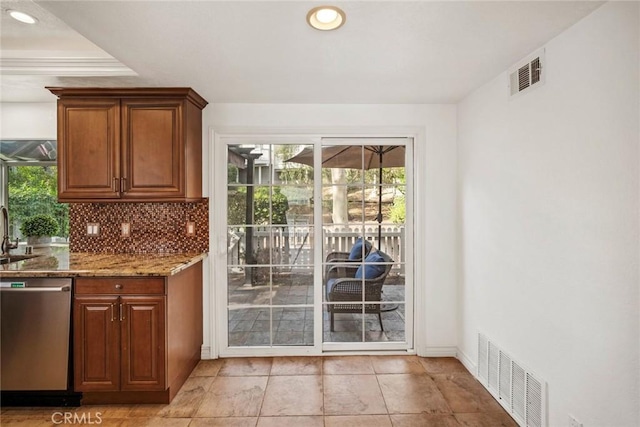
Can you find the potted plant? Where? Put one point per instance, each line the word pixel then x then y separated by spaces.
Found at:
pixel 38 229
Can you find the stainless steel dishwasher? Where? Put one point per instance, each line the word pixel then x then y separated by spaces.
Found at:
pixel 35 321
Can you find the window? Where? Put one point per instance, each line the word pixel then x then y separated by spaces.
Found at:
pixel 29 184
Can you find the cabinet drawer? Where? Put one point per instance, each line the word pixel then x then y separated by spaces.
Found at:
pixel 120 286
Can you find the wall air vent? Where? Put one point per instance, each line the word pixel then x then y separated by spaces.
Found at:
pixel 527 74
pixel 483 364
pixel 516 388
pixel 524 79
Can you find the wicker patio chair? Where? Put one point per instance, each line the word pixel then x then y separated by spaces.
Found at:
pixel 348 288
pixel 354 256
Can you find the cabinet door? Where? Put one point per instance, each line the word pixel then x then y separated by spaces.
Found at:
pixel 96 343
pixel 143 343
pixel 153 148
pixel 88 149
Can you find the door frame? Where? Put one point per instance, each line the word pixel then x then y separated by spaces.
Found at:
pixel 218 245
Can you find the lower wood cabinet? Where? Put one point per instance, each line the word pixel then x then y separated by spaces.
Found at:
pixel 136 340
pixel 120 343
pixel 142 342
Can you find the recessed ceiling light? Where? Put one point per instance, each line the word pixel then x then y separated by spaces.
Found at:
pixel 326 18
pixel 22 17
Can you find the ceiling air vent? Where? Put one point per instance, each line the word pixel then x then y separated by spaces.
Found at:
pixel 527 74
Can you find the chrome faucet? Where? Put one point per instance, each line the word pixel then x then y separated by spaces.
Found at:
pixel 6 242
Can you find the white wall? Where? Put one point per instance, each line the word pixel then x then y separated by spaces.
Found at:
pixel 549 220
pixel 435 188
pixel 28 120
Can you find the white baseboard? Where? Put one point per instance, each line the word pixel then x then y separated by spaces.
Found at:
pixel 441 352
pixel 205 352
pixel 468 363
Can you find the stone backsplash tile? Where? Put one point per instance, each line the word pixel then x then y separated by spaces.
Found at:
pixel 155 227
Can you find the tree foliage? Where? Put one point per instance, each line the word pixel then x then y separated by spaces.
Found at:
pixel 292 173
pixel 33 191
pixel 398 212
pixel 296 174
pixel 263 203
pixel 278 206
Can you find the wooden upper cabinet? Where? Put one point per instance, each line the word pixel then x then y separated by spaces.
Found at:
pixel 129 144
pixel 152 148
pixel 88 148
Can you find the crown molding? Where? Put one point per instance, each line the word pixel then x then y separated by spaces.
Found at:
pixel 67 67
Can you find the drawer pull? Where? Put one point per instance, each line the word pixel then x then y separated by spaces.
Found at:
pixel 119 286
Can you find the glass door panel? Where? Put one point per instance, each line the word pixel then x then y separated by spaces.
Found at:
pixel 364 218
pixel 270 246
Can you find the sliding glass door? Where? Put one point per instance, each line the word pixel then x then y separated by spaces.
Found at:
pixel 318 246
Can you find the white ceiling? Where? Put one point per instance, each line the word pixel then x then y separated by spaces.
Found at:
pixel 264 51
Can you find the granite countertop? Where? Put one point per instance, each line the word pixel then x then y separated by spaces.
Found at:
pixel 59 262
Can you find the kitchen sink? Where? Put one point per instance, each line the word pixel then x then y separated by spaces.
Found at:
pixel 6 259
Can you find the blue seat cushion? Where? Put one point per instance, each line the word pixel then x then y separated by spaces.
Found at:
pixel 357 249
pixel 372 267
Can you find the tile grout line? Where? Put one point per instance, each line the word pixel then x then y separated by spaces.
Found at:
pixel 195 412
pixel 375 373
pixel 446 401
pixel 383 398
pixel 323 391
pixel 264 396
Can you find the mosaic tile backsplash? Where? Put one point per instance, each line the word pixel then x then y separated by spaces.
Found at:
pixel 154 227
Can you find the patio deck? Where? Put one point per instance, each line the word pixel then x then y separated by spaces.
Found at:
pixel 293 325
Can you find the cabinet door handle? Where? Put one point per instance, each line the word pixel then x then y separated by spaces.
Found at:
pixel 114 186
pixel 112 312
pixel 123 185
pixel 121 312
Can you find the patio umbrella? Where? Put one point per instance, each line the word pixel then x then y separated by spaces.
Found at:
pixel 351 156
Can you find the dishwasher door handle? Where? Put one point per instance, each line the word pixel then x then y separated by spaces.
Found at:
pixel 65 288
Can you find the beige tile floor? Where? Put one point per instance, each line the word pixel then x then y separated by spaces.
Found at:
pixel 328 391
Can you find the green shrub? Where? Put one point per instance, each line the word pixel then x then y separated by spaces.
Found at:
pixel 279 206
pixel 39 225
pixel 237 205
pixel 237 199
pixel 398 210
